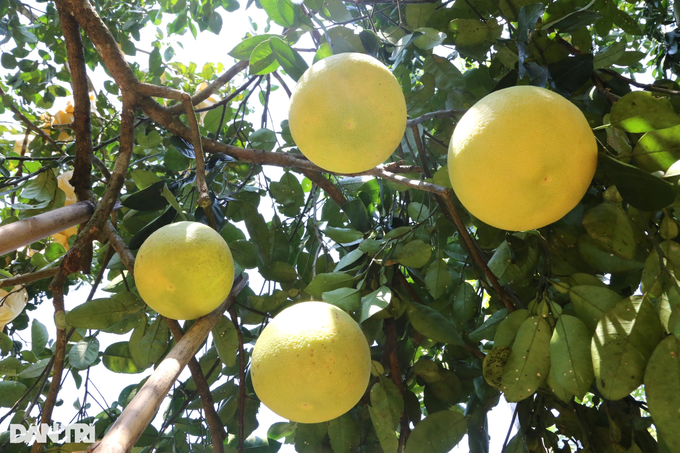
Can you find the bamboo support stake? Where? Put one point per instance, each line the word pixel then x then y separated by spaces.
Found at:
pixel 27 231
pixel 138 414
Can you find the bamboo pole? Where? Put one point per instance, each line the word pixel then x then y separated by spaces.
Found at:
pixel 27 231
pixel 138 414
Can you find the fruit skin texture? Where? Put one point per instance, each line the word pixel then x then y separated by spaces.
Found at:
pixel 311 363
pixel 522 158
pixel 184 270
pixel 347 113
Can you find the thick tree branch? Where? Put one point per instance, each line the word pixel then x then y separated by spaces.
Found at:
pixel 214 422
pixel 57 287
pixel 139 412
pixel 82 125
pixel 328 187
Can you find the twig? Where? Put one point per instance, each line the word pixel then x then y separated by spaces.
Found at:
pixel 213 87
pixel 421 152
pixel 283 84
pixel 29 278
pixel 241 382
pixel 203 197
pixel 390 354
pixel 438 114
pixel 214 422
pixel 644 86
pixel 30 125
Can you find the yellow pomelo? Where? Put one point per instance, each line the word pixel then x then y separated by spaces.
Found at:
pixel 311 363
pixel 184 270
pixel 63 182
pixel 347 113
pixel 521 158
pixel 11 304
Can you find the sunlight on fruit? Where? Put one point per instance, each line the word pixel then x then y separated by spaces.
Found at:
pixel 522 158
pixel 347 113
pixel 311 363
pixel 184 270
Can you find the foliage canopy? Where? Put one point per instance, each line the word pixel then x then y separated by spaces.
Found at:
pixel 572 318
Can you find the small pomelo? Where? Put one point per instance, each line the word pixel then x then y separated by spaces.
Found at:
pixel 347 113
pixel 521 158
pixel 311 363
pixel 184 270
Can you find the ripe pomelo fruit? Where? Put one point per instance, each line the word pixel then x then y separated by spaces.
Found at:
pixel 184 270
pixel 311 363
pixel 521 158
pixel 347 113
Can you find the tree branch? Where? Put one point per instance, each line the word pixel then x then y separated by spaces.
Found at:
pixel 213 87
pixel 241 382
pixel 57 287
pixel 29 278
pixel 644 86
pixel 139 412
pixel 455 114
pixel 214 422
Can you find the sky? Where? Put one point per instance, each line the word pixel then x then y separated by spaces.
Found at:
pixel 206 48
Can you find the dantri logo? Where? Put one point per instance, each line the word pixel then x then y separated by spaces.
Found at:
pixel 78 432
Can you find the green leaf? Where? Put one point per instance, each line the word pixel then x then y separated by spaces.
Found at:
pixel 328 282
pixel 308 437
pixel 438 279
pixel 591 302
pixel 488 329
pixel 348 260
pixel 288 190
pixel 10 392
pixel 144 178
pixel 39 336
pixel 527 18
pixel 429 39
pixel 343 433
pixel 244 253
pixel 263 60
pixel 257 229
pixel 225 337
pixel 279 271
pixel 662 388
pixel 34 370
pixel 658 150
pixel 263 139
pixel 118 359
pixel 6 343
pixel 418 211
pixel 338 11
pixel 289 59
pixel 433 324
pixel 243 50
pixel 148 343
pixel 104 313
pixel 41 188
pixel 609 55
pixel 417 14
pixel 640 111
pixel 626 23
pixel 84 353
pixel 570 357
pixel 385 413
pixel 492 367
pixel 529 362
pixel 375 302
pixel 570 73
pixel 465 302
pixel 637 187
pixel 348 299
pixel 343 235
pixel 415 254
pixel 438 433
pixel 280 11
pixel 611 229
pixel 622 344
